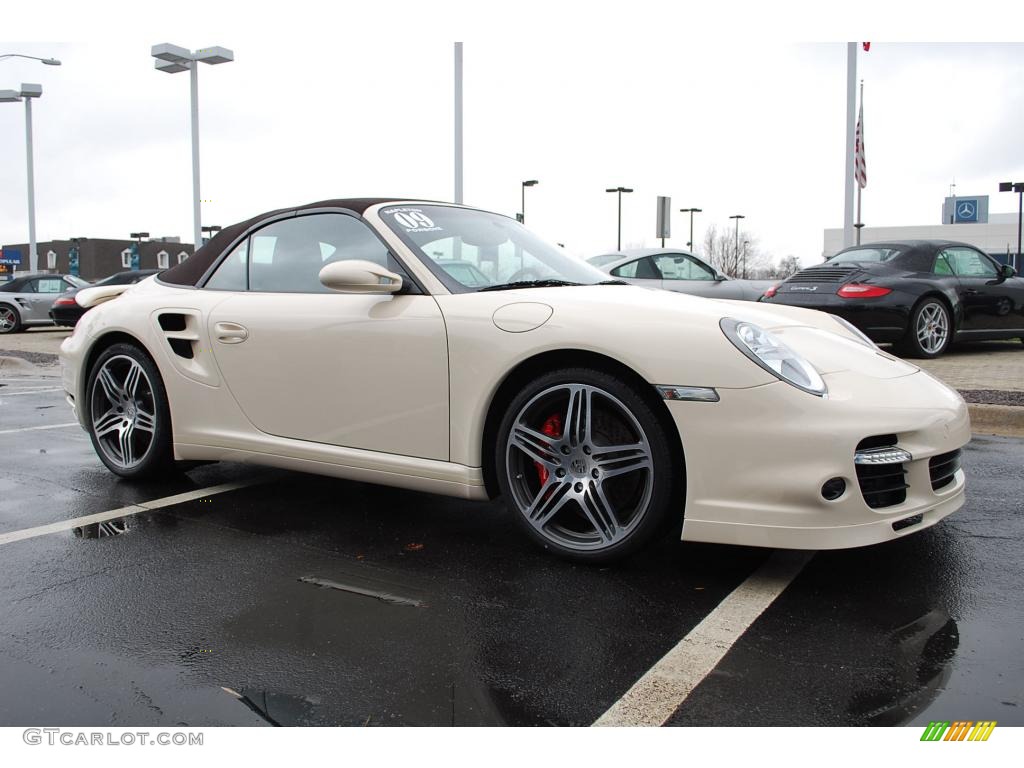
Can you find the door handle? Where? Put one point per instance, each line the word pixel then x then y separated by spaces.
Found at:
pixel 971 292
pixel 230 333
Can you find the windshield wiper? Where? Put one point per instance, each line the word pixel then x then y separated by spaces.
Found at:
pixel 547 283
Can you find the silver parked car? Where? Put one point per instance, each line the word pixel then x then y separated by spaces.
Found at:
pixel 676 270
pixel 25 301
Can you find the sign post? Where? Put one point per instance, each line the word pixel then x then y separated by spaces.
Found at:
pixel 664 218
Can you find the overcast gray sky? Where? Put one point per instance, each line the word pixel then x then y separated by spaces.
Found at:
pixel 343 107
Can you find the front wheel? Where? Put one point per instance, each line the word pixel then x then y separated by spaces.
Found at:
pixel 930 331
pixel 128 416
pixel 10 320
pixel 586 466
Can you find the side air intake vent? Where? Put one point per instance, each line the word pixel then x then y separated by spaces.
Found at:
pixel 172 321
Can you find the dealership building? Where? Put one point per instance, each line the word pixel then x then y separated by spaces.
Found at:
pixel 964 218
pixel 97 257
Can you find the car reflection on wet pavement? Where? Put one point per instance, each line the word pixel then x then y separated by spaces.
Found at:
pixel 310 601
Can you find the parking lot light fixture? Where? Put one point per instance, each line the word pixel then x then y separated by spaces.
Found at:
pixel 49 62
pixel 211 231
pixel 172 59
pixel 522 209
pixel 691 211
pixel 1018 187
pixel 620 191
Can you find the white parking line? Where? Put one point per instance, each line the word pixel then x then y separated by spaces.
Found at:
pixel 45 426
pixel 131 509
pixel 657 695
pixel 4 393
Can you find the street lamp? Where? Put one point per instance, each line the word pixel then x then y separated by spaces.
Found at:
pixel 172 59
pixel 28 92
pixel 690 211
pixel 522 215
pixel 211 231
pixel 745 244
pixel 50 62
pixel 619 190
pixel 738 216
pixel 1018 187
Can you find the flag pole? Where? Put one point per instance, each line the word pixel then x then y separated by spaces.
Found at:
pixel 848 149
pixel 860 189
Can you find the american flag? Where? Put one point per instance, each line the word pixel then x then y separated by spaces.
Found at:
pixel 859 164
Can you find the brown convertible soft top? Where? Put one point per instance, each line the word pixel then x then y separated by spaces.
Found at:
pixel 190 271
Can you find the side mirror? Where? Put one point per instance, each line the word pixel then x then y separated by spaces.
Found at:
pixel 719 277
pixel 1007 271
pixel 355 276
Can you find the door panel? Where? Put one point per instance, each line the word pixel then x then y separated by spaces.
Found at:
pixel 989 302
pixel 358 371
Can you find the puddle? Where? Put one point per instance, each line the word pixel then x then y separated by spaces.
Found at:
pixel 115 527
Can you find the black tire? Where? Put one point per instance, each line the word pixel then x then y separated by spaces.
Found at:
pixel 10 322
pixel 923 313
pixel 640 503
pixel 157 459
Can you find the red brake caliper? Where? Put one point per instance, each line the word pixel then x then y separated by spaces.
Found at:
pixel 552 428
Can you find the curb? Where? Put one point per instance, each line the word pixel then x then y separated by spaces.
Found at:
pixel 1005 420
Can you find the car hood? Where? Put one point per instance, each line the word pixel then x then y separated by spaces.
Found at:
pixel 664 318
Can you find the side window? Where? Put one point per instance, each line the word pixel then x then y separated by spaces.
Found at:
pixel 626 270
pixel 50 285
pixel 230 275
pixel 967 262
pixel 942 265
pixel 287 256
pixel 679 267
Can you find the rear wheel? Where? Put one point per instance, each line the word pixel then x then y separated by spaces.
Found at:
pixel 586 466
pixel 930 331
pixel 128 416
pixel 10 320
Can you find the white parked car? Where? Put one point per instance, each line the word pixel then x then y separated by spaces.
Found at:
pixel 335 338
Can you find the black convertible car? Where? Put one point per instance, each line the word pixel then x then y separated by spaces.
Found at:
pixel 921 295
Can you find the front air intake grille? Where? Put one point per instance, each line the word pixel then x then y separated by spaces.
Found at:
pixel 822 275
pixel 942 468
pixel 881 485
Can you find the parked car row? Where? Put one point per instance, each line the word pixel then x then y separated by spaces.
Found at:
pixel 920 295
pixel 35 300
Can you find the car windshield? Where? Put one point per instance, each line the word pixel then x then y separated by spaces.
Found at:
pixel 77 281
pixel 865 254
pixel 470 250
pixel 604 258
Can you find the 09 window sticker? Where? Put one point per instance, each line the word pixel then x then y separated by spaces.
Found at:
pixel 413 220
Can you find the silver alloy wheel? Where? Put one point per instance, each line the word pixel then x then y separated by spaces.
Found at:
pixel 123 411
pixel 589 487
pixel 7 319
pixel 932 328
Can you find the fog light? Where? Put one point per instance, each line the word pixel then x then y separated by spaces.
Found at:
pixel 833 489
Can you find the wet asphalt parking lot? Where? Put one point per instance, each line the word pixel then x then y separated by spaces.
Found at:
pixel 300 600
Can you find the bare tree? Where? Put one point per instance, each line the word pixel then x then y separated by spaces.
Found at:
pixel 788 265
pixel 729 256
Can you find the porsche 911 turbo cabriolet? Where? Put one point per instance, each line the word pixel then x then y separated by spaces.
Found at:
pixel 336 338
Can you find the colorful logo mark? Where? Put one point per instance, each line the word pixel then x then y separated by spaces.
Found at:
pixel 959 730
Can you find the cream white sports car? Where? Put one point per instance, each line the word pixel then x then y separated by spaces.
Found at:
pixel 447 349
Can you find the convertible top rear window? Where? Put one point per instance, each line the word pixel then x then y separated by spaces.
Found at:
pixel 866 254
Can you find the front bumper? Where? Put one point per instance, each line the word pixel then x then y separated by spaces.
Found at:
pixel 756 461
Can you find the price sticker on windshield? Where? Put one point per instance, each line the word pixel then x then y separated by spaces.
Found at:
pixel 414 220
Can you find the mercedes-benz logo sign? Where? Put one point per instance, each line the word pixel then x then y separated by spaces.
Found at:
pixel 965 210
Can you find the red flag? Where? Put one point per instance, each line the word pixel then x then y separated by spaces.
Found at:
pixel 859 164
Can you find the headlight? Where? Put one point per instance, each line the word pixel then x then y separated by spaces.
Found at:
pixel 772 355
pixel 857 332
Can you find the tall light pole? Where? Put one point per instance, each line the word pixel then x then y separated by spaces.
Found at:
pixel 738 216
pixel 211 231
pixel 745 244
pixel 1018 187
pixel 690 211
pixel 619 190
pixel 458 123
pixel 522 208
pixel 172 59
pixel 28 92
